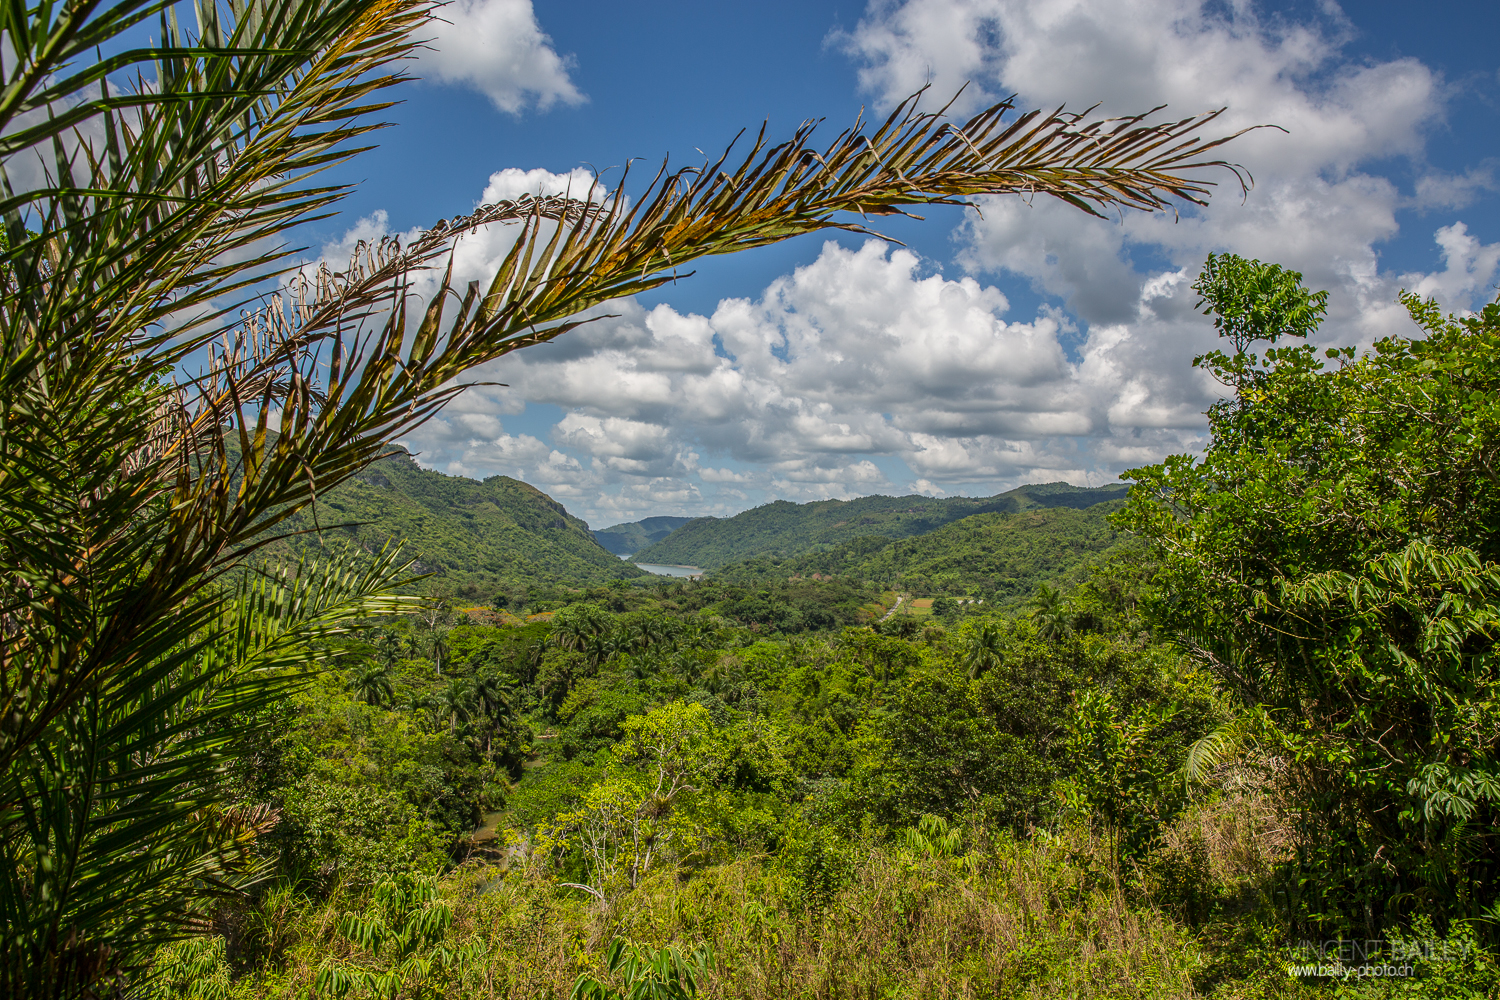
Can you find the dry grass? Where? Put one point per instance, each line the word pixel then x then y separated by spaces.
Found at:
pixel 1243 836
pixel 1043 919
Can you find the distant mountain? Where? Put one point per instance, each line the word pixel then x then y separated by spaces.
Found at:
pixel 478 538
pixel 625 539
pixel 1002 557
pixel 782 529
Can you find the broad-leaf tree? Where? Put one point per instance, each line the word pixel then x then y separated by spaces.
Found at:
pixel 162 414
pixel 1335 557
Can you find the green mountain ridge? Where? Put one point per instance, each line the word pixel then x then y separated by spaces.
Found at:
pixel 782 529
pixel 625 539
pixel 1000 556
pixel 477 538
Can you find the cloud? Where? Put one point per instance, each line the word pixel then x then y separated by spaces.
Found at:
pixel 857 354
pixel 854 356
pixel 947 44
pixel 1443 190
pixel 497 48
pixel 847 357
pixel 1316 206
pixel 869 370
pixel 1313 208
pixel 1469 271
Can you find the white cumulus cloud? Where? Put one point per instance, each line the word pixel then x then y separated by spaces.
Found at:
pixel 858 354
pixel 1316 206
pixel 497 48
pixel 870 370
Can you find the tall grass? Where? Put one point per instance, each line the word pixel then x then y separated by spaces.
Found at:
pixel 1052 916
pixel 1044 918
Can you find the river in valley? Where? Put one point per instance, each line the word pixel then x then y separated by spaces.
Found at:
pixel 682 571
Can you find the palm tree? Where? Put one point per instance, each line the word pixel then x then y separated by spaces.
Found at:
pixel 125 790
pixel 984 648
pixel 372 685
pixel 715 677
pixel 133 493
pixel 640 633
pixel 646 631
pixel 455 703
pixel 635 665
pixel 531 660
pixel 388 647
pixel 449 705
pixel 1050 611
pixel 571 634
pixel 704 632
pixel 439 647
pixel 493 696
pixel 492 701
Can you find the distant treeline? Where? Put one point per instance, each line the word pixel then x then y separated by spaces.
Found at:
pixel 1002 557
pixel 782 529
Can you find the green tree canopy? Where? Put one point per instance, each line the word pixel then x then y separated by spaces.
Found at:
pixel 1333 557
pixel 1253 301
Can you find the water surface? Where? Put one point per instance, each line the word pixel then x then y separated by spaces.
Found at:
pixel 683 571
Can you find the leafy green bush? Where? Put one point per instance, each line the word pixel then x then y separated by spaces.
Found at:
pixel 1333 558
pixel 647 973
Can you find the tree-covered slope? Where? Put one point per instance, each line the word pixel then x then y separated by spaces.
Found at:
pixel 782 529
pixel 998 556
pixel 477 538
pixel 624 539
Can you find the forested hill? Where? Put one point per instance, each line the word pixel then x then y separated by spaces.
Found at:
pixel 782 529
pixel 623 539
pixel 1001 557
pixel 478 538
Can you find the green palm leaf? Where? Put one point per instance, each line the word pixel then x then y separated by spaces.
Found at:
pixel 111 811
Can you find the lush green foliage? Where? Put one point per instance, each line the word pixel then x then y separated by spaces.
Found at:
pixel 1252 301
pixel 714 720
pixel 665 740
pixel 791 606
pixel 624 539
pixel 1333 557
pixel 999 557
pixel 1177 772
pixel 1001 804
pixel 783 530
pixel 477 539
pixel 647 973
pixel 131 663
pixel 132 493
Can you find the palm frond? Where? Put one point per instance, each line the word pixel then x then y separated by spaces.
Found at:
pixel 155 215
pixel 777 192
pixel 122 790
pixel 1218 748
pixel 163 199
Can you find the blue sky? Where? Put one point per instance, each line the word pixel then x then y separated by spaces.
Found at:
pixel 1032 345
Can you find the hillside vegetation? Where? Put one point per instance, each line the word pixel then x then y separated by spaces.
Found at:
pixel 855 807
pixel 1251 754
pixel 478 539
pixel 241 760
pixel 625 539
pixel 782 529
pixel 1002 557
pixel 762 785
